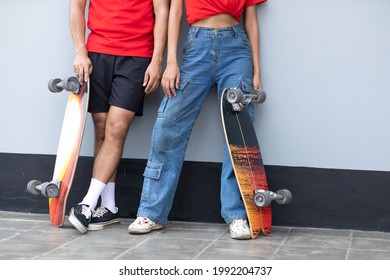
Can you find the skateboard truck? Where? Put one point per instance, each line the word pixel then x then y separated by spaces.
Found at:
pixel 68 84
pixel 239 100
pixel 264 198
pixel 48 189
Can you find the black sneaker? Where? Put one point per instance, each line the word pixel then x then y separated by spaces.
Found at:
pixel 103 217
pixel 80 217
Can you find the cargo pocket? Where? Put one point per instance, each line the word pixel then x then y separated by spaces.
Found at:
pixel 246 85
pixel 170 107
pixel 151 185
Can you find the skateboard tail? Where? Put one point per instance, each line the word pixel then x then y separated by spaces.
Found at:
pixel 250 176
pixel 57 205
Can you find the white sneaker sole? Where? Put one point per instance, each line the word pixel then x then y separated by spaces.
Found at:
pixel 143 230
pixel 103 225
pixel 76 223
pixel 240 236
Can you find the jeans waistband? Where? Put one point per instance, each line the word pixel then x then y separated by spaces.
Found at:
pixel 212 31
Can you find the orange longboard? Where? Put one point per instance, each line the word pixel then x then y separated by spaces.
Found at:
pixel 247 160
pixel 68 150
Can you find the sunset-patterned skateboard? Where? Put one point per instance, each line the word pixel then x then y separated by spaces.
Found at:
pixel 247 161
pixel 72 131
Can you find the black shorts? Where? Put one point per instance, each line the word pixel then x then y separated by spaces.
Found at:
pixel 117 81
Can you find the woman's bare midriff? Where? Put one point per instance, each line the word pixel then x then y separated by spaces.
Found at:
pixel 217 21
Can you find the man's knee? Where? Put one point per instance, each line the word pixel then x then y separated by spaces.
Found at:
pixel 99 122
pixel 117 130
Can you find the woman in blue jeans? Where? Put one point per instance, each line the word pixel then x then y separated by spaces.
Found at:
pixel 221 52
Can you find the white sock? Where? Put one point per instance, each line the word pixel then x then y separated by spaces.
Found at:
pixel 108 197
pixel 95 189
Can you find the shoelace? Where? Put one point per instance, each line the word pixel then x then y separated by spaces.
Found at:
pixel 100 212
pixel 86 211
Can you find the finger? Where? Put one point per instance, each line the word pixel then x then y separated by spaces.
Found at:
pixel 150 87
pixel 168 93
pixel 86 76
pixel 177 81
pixel 146 79
pixel 80 75
pixel 87 72
pixel 166 89
pixel 172 87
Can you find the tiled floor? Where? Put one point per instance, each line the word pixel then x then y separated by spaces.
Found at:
pixel 26 236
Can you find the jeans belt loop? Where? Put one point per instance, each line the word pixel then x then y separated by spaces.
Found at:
pixel 196 31
pixel 235 31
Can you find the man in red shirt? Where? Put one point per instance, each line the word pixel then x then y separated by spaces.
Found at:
pixel 122 59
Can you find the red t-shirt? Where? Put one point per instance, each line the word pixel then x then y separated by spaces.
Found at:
pixel 122 28
pixel 201 9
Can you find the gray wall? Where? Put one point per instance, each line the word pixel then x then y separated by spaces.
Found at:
pixel 325 65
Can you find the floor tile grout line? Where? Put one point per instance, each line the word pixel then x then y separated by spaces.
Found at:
pixel 372 238
pixel 56 248
pixel 137 245
pixel 371 250
pixel 10 237
pixel 281 243
pixel 18 233
pixel 350 244
pixel 209 245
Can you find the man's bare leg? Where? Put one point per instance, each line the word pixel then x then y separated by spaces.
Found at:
pixel 108 193
pixel 111 144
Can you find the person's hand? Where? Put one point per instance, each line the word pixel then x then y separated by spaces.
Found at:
pixel 171 79
pixel 152 77
pixel 257 83
pixel 82 66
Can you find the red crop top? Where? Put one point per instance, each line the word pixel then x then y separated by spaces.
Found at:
pixel 122 28
pixel 201 9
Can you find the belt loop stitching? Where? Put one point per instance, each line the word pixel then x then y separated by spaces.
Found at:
pixel 234 31
pixel 196 31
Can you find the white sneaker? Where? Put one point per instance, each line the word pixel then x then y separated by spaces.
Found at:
pixel 239 229
pixel 143 225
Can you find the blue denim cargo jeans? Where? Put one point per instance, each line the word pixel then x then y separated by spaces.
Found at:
pixel 211 57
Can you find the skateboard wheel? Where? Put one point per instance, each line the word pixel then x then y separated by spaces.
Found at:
pixel 286 196
pixel 50 190
pixel 54 85
pixel 262 199
pixel 235 95
pixel 260 96
pixel 71 84
pixel 31 187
